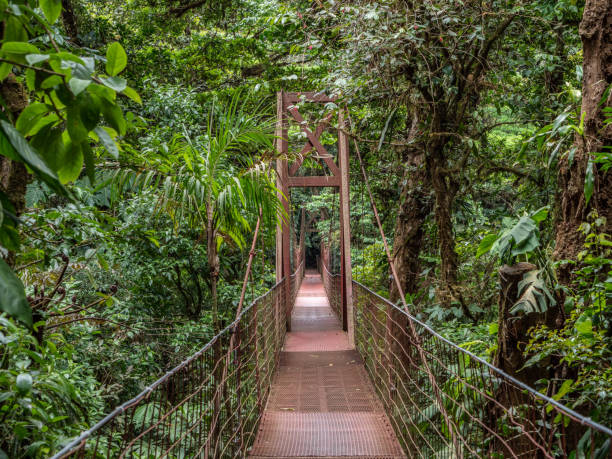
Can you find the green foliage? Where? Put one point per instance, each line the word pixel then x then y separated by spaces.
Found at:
pixel 130 198
pixel 517 237
pixel 584 341
pixel 69 101
pixel 534 295
pixel 44 395
pixel 12 295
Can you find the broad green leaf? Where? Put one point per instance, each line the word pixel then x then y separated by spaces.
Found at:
pixel 107 141
pixel 51 82
pixel 584 326
pixel 486 244
pixel 527 246
pixel 72 163
pixel 51 8
pixel 589 182
pixel 77 86
pixel 103 92
pixel 30 77
pixel 34 59
pixel 14 30
pixel 116 83
pixel 31 157
pixel 89 105
pixel 540 214
pixel 19 47
pixel 116 59
pixel 132 94
pixel 114 116
pixel 88 158
pixel 13 299
pixel 524 228
pixel 76 129
pixel 5 69
pixel 564 389
pixel 30 116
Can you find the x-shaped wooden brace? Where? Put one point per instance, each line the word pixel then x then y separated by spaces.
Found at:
pixel 313 141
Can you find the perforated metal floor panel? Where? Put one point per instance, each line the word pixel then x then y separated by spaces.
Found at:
pixel 322 403
pixel 326 434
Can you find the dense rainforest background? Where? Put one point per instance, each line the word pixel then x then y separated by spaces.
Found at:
pixel 137 151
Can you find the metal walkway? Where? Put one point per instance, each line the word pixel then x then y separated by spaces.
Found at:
pixel 322 403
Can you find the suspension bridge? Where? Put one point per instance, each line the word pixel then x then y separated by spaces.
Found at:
pixel 322 366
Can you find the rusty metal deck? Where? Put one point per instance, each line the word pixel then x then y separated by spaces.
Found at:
pixel 322 403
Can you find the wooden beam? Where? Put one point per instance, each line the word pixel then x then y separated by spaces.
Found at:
pixel 282 170
pixel 316 181
pixel 345 229
pixel 278 132
pixel 329 160
pixel 309 96
pixel 318 131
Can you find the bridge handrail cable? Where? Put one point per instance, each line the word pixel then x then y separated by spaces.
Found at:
pixel 79 442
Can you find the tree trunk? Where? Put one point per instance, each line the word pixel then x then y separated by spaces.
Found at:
pixel 14 177
pixel 445 188
pixel 70 22
pixel 213 265
pixel 414 207
pixel 512 331
pixel 596 34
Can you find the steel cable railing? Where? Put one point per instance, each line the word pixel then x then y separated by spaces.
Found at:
pixel 491 414
pixel 209 405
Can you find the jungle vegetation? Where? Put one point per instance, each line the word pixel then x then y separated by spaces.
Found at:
pixel 137 151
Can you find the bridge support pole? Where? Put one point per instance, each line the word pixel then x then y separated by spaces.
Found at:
pixel 288 177
pixel 348 317
pixel 283 259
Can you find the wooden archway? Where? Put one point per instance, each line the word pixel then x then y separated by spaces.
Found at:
pixel 339 178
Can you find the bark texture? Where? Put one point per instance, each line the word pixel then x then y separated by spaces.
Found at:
pixel 596 34
pixel 14 176
pixel 414 206
pixel 70 21
pixel 512 332
pixel 445 186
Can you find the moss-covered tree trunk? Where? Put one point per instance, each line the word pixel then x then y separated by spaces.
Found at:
pixel 596 34
pixel 414 207
pixel 14 176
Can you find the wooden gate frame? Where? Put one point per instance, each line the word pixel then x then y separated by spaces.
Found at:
pixel 286 179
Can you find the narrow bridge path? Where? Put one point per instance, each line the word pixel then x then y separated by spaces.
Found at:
pixel 322 403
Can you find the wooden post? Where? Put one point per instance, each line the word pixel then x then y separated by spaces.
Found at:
pixel 283 172
pixel 278 132
pixel 345 230
pixel 287 179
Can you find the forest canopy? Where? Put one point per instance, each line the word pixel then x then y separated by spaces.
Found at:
pixel 138 153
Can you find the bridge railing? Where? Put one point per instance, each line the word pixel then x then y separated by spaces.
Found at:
pixel 331 283
pixel 445 402
pixel 296 283
pixel 209 405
